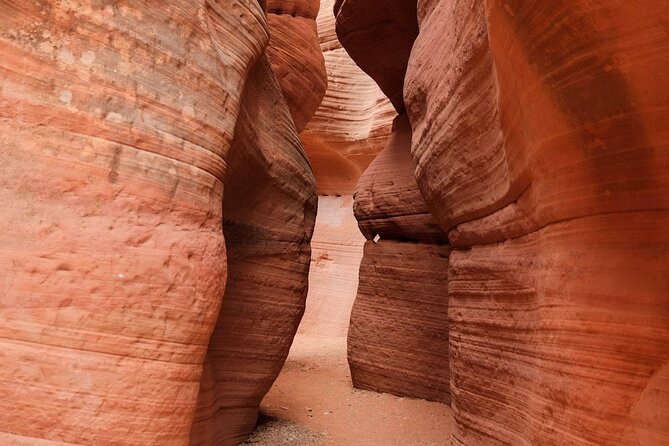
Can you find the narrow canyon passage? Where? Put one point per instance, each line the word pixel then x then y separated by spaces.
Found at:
pixel 313 402
pixel 334 223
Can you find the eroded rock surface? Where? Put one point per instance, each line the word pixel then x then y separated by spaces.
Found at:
pixel 540 141
pixel 378 36
pixel 296 56
pixel 388 202
pixel 353 122
pixel 398 338
pixel 116 125
pixel 270 208
pixel 570 321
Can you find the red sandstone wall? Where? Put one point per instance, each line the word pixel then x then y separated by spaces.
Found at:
pixel 359 27
pixel 270 208
pixel 540 141
pixel 398 338
pixel 296 56
pixel 116 145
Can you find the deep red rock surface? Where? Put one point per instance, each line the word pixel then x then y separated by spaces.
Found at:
pixel 116 126
pixel 296 56
pixel 560 336
pixel 539 144
pixel 388 202
pixel 378 36
pixel 398 338
pixel 540 136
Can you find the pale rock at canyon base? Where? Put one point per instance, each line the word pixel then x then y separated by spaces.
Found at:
pixel 336 251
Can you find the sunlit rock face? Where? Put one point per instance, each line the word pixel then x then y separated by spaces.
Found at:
pixel 117 125
pixel 296 56
pixel 353 122
pixel 540 143
pixel 333 277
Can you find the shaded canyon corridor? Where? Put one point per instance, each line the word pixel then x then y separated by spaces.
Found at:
pixel 464 202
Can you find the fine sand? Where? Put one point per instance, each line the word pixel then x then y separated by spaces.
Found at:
pixel 313 403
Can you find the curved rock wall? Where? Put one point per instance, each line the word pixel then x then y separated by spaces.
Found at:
pixel 387 200
pixel 353 122
pixel 398 337
pixel 116 123
pixel 268 225
pixel 540 143
pixel 296 56
pixel 359 25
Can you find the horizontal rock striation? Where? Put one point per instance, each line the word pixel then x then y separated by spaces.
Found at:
pixel 560 337
pixel 398 337
pixel 270 208
pixel 113 161
pixel 353 122
pixel 117 125
pixel 296 56
pixel 540 142
pixel 388 202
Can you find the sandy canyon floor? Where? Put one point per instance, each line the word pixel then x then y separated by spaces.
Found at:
pixel 313 403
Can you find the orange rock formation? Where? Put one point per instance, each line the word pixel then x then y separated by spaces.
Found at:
pixel 127 145
pixel 269 210
pixel 539 144
pixel 296 56
pixel 398 339
pixel 353 122
pixel 158 208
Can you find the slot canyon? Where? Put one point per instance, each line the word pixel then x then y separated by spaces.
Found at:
pixel 334 222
